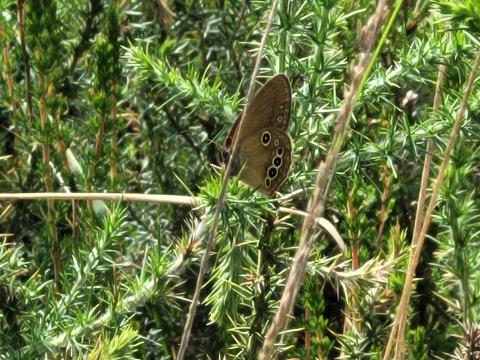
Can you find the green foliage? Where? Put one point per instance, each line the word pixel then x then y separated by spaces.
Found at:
pixel 121 346
pixel 466 13
pixel 139 98
pixel 419 349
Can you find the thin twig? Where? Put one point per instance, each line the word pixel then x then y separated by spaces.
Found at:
pixel 407 288
pixel 181 131
pixel 221 199
pixel 326 169
pixel 94 8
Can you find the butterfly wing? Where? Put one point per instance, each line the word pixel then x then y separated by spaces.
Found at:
pixel 270 107
pixel 265 157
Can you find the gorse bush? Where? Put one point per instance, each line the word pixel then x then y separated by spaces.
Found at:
pixel 138 97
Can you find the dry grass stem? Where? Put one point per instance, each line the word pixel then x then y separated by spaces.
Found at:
pixel 417 248
pixel 153 198
pixel 422 194
pixel 324 223
pixel 221 198
pixel 324 176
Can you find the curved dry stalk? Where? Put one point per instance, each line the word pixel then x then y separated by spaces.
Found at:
pixel 324 223
pixel 221 198
pixel 326 169
pixel 418 245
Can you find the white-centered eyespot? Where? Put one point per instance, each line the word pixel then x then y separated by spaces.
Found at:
pixel 277 161
pixel 265 138
pixel 272 172
pixel 277 142
pixel 279 151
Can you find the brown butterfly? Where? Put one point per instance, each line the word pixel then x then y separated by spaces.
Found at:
pixel 264 148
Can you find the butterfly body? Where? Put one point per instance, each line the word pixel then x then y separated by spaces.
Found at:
pixel 264 147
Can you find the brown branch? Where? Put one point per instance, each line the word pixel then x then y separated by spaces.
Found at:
pixel 181 131
pixel 95 7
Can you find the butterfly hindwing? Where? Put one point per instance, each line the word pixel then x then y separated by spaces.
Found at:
pixel 265 159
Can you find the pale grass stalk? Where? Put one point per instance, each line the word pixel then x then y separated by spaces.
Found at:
pixel 324 223
pixel 128 197
pixel 153 198
pixel 326 169
pixel 417 248
pixel 99 138
pixel 422 194
pixel 221 198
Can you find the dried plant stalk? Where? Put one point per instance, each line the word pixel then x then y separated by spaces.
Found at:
pixel 422 194
pixel 153 198
pixel 418 245
pixel 326 169
pixel 221 198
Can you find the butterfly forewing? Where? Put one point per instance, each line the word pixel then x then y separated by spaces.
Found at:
pixel 264 147
pixel 271 106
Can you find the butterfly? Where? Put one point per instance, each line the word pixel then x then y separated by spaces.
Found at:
pixel 264 146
